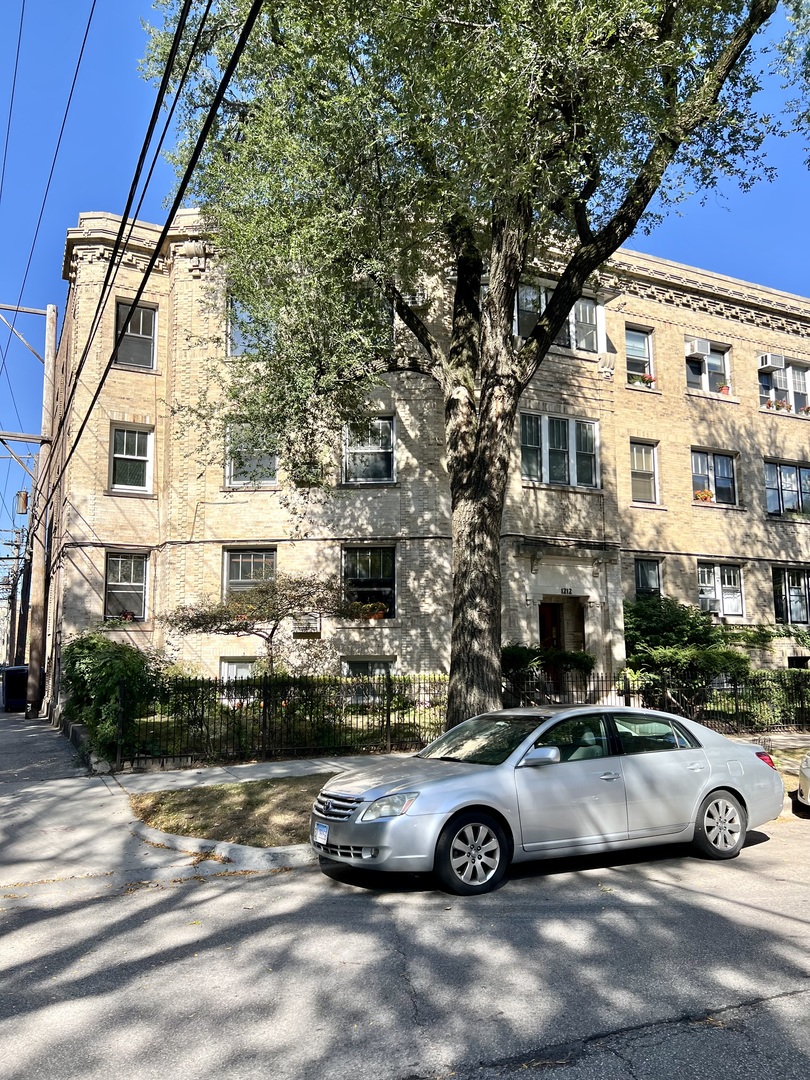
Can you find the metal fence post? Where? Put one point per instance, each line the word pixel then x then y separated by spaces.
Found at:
pixel 389 693
pixel 119 726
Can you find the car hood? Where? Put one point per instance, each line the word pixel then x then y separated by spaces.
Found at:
pixel 409 774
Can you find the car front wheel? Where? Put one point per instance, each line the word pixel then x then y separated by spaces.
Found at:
pixel 721 826
pixel 472 854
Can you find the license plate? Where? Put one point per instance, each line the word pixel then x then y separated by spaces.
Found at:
pixel 321 834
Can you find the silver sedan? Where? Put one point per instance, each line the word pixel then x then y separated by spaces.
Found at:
pixel 542 783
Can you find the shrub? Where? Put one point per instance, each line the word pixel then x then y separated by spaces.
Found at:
pixel 93 670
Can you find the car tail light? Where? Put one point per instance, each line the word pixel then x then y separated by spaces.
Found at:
pixel 766 758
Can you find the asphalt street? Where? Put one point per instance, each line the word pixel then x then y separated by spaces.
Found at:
pixel 138 961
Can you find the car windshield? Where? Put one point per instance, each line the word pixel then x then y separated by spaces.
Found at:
pixel 485 740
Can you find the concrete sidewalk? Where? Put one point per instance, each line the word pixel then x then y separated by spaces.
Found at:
pixel 58 821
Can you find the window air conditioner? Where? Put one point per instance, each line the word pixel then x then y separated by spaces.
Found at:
pixel 698 348
pixel 771 362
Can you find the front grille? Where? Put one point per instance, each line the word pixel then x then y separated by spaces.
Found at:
pixel 336 807
pixel 341 851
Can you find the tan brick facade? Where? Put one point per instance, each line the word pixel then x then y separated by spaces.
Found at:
pixel 568 549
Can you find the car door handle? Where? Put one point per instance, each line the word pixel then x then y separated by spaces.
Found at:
pixel 695 767
pixel 610 776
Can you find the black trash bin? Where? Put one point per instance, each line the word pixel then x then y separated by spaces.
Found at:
pixel 14 688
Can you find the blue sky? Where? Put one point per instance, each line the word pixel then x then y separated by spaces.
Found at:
pixel 761 236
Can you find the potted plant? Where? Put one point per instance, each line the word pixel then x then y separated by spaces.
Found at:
pixel 724 389
pixel 637 379
pixel 703 495
pixel 779 404
pixel 375 610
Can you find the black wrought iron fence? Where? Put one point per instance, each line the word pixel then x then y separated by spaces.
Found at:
pixel 185 720
pixel 766 701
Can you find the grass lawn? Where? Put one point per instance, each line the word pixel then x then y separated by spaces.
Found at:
pixel 261 813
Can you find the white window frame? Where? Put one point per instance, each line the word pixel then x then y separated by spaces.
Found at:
pixel 140 587
pixel 147 459
pixel 136 319
pixel 653 473
pixel 266 555
pixel 356 450
pixel 258 475
pixel 718 592
pixel 711 379
pixel 642 362
pixel 549 424
pixel 576 333
pixel 710 474
pixel 786 389
pixel 226 662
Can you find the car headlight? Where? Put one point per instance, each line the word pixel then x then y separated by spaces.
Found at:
pixel 389 806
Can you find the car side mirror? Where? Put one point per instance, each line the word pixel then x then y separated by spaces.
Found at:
pixel 540 755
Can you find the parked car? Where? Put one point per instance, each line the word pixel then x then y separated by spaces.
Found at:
pixel 803 794
pixel 546 782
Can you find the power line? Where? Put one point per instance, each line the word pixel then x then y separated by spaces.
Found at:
pixel 3 366
pixel 11 99
pixel 208 123
pixel 120 242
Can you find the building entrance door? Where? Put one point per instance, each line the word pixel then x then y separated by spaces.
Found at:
pixel 551 626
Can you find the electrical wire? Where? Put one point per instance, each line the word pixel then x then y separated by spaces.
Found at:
pixel 11 99
pixel 128 217
pixel 180 194
pixel 3 366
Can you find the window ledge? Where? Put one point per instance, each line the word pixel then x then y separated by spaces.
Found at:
pixel 718 506
pixel 113 492
pixel 136 367
pixel 710 395
pixel 250 487
pixel 139 625
pixel 371 623
pixel 789 519
pixel 648 506
pixel 353 485
pixel 784 412
pixel 544 485
pixel 644 389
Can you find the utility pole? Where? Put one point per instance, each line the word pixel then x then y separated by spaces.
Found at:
pixel 39 529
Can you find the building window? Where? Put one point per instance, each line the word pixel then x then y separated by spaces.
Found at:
pixel 790 603
pixel 244 569
pixel 247 467
pixel 369 578
pixel 643 482
pixel 371 668
pixel 787 488
pixel 137 347
pixel 131 460
pixel 706 366
pixel 368 451
pixel 580 330
pixel 236 668
pixel 713 478
pixel 720 589
pixel 557 450
pixel 638 350
pixel 785 388
pixel 648 577
pixel 125 586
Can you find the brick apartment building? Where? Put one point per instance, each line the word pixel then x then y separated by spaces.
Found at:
pixel 662 446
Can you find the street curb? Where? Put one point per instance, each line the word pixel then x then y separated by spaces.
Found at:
pixel 237 856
